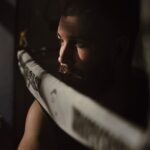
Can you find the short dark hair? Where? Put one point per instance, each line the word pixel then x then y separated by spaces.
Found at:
pixel 121 14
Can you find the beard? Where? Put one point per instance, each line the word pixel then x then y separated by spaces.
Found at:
pixel 72 77
pixel 71 72
pixel 94 82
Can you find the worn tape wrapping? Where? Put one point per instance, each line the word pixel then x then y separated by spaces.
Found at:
pixel 78 115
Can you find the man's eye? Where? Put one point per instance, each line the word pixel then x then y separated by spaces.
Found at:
pixel 82 44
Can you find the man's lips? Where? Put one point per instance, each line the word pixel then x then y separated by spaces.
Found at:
pixel 64 69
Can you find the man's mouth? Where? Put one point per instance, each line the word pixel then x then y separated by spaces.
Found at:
pixel 64 69
pixel 69 72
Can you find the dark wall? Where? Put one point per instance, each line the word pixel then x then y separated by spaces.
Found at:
pixel 7 46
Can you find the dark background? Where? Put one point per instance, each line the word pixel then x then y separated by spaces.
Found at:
pixel 7 46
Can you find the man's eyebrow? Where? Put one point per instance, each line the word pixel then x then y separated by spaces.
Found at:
pixel 82 38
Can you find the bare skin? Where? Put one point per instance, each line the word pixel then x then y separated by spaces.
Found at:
pixel 38 132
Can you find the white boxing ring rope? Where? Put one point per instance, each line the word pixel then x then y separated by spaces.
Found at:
pixel 78 115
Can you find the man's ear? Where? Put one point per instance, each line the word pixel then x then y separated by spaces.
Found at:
pixel 121 49
pixel 121 58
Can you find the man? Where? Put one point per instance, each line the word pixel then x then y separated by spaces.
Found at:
pixel 95 52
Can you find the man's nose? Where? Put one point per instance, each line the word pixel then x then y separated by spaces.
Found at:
pixel 66 55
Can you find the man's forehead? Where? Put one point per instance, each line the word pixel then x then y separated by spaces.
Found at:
pixel 68 25
pixel 71 25
pixel 70 20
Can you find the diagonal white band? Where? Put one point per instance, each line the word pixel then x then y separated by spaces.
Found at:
pixel 78 115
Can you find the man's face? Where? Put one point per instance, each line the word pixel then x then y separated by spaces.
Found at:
pixel 78 54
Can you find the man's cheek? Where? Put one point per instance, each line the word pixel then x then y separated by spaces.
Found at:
pixel 83 54
pixel 82 66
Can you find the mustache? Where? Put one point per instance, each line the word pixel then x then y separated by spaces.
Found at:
pixel 71 72
pixel 64 69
